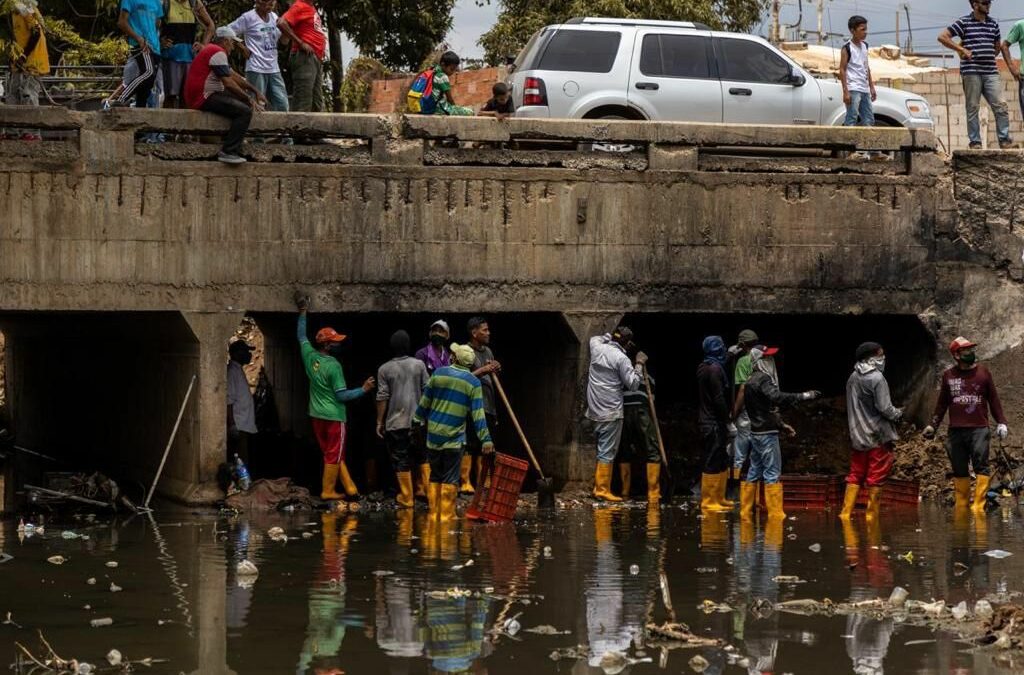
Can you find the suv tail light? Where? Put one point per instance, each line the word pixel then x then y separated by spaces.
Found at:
pixel 534 92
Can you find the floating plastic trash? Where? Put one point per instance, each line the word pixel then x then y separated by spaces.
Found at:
pixel 56 560
pixel 998 554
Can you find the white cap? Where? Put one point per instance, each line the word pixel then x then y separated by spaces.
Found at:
pixel 442 323
pixel 226 33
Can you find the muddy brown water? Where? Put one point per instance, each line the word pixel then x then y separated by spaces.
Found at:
pixel 364 593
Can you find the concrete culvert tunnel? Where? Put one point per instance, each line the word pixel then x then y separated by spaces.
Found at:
pixel 538 356
pixel 100 392
pixel 817 352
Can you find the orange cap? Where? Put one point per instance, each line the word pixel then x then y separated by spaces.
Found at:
pixel 325 335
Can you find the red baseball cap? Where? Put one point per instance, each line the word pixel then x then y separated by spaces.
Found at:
pixel 767 351
pixel 959 344
pixel 325 335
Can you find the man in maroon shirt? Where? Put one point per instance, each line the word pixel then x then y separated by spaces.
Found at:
pixel 968 392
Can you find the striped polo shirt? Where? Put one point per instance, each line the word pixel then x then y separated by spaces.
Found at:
pixel 981 38
pixel 452 394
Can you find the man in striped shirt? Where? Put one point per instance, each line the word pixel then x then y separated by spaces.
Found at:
pixel 979 43
pixel 452 394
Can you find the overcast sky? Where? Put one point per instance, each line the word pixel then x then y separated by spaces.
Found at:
pixel 927 18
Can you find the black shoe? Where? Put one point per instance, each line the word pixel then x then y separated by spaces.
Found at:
pixel 974 146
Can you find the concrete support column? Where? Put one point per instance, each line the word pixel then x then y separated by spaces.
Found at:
pixel 211 330
pixel 582 453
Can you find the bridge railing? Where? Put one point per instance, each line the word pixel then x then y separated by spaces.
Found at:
pixel 121 134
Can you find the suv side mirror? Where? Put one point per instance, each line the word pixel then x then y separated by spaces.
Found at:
pixel 796 78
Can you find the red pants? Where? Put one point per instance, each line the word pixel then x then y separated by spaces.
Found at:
pixel 871 467
pixel 331 437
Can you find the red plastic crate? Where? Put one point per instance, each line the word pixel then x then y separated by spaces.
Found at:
pixel 498 494
pixel 813 491
pixel 902 492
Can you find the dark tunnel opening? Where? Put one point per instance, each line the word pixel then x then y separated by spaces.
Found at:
pixel 816 352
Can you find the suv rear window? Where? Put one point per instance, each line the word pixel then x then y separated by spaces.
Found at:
pixel 583 51
pixel 675 56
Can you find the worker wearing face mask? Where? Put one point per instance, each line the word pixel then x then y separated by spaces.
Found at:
pixel 435 353
pixel 328 395
pixel 968 392
pixel 872 419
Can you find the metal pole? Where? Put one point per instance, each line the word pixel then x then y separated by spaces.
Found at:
pixel 170 442
pixel 897 29
pixel 821 21
pixel 774 36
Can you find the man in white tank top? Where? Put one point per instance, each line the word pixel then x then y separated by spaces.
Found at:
pixel 855 75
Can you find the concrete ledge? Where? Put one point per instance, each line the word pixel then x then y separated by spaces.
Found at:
pixel 480 129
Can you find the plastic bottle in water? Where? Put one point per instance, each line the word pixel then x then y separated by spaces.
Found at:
pixel 244 480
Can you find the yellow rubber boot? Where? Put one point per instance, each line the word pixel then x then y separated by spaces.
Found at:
pixel 721 486
pixel 346 481
pixel 626 474
pixel 773 497
pixel 712 489
pixel 980 494
pixel 433 501
pixel 603 483
pixel 748 498
pixel 330 480
pixel 653 483
pixel 423 482
pixel 874 503
pixel 404 498
pixel 962 492
pixel 849 501
pixel 465 468
pixel 449 494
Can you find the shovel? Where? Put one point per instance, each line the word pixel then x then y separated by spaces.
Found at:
pixel 545 486
pixel 670 482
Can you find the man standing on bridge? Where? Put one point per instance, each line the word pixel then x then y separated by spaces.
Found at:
pixel 609 376
pixel 212 86
pixel 979 43
pixel 327 398
pixel 28 56
pixel 968 392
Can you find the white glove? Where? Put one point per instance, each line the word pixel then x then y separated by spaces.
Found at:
pixel 1002 431
pixel 731 428
pixel 810 395
pixel 929 432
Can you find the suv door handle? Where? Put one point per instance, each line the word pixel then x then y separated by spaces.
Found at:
pixel 737 91
pixel 647 85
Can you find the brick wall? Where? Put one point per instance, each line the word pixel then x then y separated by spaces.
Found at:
pixel 945 95
pixel 469 87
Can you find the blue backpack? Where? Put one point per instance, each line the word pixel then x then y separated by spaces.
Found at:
pixel 420 100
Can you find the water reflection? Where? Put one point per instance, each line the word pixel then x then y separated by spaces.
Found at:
pixel 387 593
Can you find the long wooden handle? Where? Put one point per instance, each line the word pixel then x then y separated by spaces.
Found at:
pixel 654 418
pixel 170 442
pixel 515 423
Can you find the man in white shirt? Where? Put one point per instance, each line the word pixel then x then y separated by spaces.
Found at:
pixel 610 374
pixel 241 410
pixel 258 28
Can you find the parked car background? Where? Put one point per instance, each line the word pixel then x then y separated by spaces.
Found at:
pixel 594 68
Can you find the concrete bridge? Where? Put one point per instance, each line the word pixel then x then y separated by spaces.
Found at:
pixel 125 267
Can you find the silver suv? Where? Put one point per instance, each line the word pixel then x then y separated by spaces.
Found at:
pixel 668 70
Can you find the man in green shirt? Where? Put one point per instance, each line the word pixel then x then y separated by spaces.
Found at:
pixel 744 368
pixel 327 398
pixel 1016 37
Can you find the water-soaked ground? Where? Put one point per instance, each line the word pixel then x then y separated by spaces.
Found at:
pixel 366 593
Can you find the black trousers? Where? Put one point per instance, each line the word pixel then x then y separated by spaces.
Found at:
pixel 444 466
pixel 714 456
pixel 142 84
pixel 639 437
pixel 968 446
pixel 224 104
pixel 403 450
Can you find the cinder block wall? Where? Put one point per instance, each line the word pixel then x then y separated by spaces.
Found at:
pixel 470 87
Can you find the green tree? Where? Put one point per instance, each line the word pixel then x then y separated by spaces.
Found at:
pixel 519 19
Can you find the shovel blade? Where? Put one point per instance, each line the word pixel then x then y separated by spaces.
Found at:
pixel 545 493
